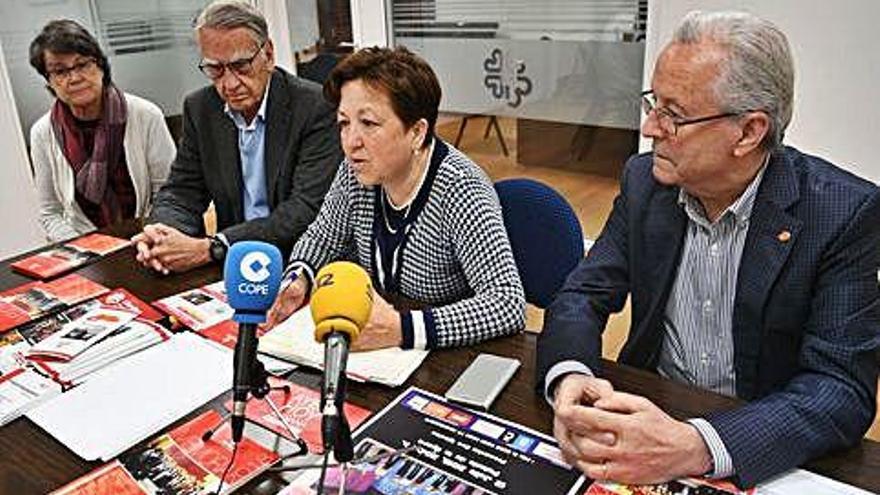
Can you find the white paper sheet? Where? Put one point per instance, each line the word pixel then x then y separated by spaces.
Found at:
pixel 806 483
pixel 131 400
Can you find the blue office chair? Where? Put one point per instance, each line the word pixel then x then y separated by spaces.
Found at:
pixel 545 235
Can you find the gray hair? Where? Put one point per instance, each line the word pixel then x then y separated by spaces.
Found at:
pixel 757 72
pixel 231 14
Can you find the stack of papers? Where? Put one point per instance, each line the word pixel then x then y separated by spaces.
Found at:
pixel 130 400
pixel 294 340
pixel 16 346
pixel 22 389
pixel 81 334
pixel 129 339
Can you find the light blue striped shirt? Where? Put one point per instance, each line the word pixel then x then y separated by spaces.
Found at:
pixel 698 339
pixel 698 343
pixel 252 151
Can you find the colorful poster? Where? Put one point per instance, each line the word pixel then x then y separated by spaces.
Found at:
pixel 420 444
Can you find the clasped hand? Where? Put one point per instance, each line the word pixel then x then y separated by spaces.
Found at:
pixel 381 330
pixel 166 249
pixel 611 435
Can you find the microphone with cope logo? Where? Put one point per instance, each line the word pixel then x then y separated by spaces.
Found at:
pixel 252 274
pixel 340 305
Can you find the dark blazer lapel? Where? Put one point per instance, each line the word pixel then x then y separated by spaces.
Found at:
pixel 772 234
pixel 228 161
pixel 665 224
pixel 278 116
pixel 664 227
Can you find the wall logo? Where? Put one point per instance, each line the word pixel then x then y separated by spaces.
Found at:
pixel 255 266
pixel 513 88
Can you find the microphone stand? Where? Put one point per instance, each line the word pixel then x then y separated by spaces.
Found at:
pixel 259 388
pixel 335 430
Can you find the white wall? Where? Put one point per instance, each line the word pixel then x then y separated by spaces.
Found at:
pixel 275 12
pixel 20 22
pixel 302 18
pixel 837 70
pixel 18 200
pixel 369 23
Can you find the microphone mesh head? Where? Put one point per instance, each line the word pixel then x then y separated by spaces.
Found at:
pixel 341 300
pixel 252 274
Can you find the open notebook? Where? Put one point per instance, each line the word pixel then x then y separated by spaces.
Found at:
pixel 294 340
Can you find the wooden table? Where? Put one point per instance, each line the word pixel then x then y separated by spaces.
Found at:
pixel 32 462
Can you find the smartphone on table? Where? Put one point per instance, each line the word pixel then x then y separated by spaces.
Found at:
pixel 482 381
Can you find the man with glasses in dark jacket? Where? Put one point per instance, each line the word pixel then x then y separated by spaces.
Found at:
pixel 259 142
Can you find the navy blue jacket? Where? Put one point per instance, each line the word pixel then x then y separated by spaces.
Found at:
pixel 806 319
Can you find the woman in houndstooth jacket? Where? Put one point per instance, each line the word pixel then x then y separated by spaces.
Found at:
pixel 416 213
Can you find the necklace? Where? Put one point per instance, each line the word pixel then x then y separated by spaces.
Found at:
pixel 405 211
pixel 406 208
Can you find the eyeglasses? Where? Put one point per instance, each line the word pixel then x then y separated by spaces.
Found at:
pixel 669 122
pixel 242 66
pixel 64 73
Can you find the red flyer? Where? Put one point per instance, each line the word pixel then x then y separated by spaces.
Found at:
pixel 182 462
pixel 123 299
pixel 68 256
pixel 109 479
pixel 199 308
pixel 36 299
pixel 225 333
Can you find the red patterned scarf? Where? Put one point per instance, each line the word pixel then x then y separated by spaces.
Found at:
pixel 93 172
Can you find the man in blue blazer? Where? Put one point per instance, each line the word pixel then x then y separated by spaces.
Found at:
pixel 752 269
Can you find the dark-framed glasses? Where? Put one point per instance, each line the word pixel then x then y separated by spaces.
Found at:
pixel 241 66
pixel 64 73
pixel 669 122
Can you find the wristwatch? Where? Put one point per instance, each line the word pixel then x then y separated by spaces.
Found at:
pixel 217 250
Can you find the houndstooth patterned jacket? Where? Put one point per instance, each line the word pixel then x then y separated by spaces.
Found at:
pixel 457 259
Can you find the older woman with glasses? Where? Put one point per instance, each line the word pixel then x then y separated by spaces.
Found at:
pixel 420 216
pixel 99 154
